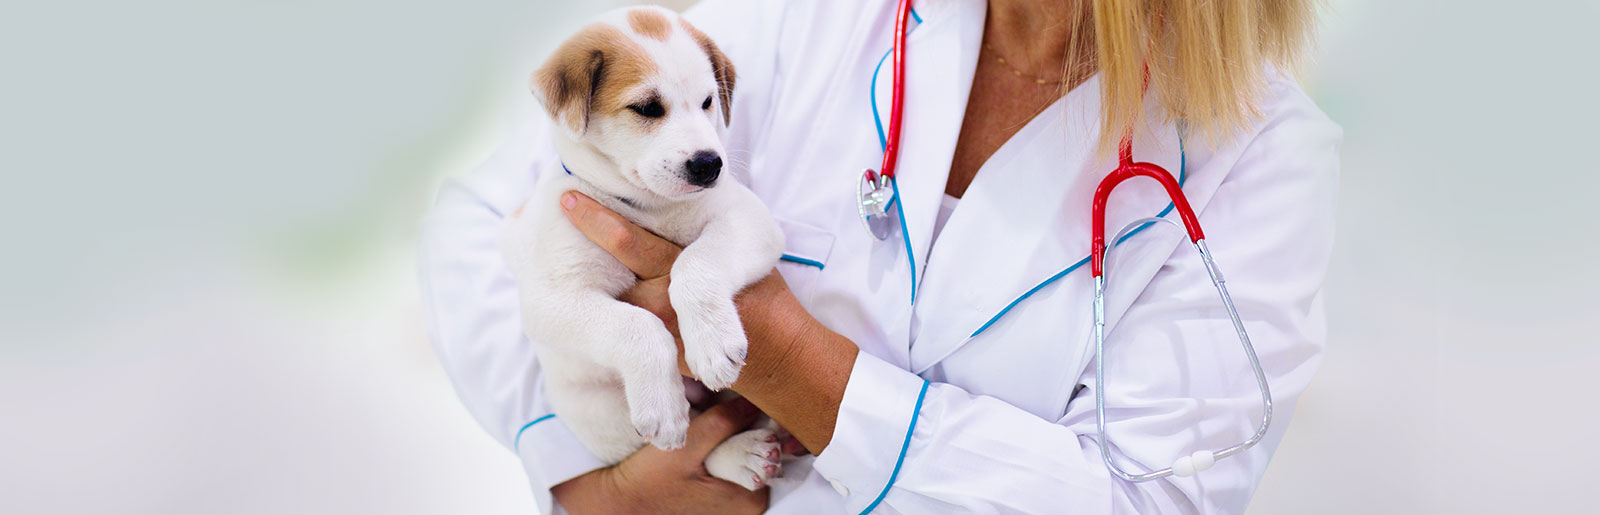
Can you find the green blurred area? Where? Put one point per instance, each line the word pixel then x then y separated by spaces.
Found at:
pixel 295 140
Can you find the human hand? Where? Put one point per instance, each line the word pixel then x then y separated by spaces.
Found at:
pixel 667 482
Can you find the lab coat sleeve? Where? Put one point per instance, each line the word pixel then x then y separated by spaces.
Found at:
pixel 1177 382
pixel 471 309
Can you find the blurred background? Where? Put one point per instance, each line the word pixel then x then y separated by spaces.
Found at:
pixel 208 300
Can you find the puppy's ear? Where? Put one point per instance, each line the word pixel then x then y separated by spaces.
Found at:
pixel 569 81
pixel 721 66
pixel 725 79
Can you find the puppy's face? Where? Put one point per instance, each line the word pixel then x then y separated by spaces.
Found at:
pixel 648 91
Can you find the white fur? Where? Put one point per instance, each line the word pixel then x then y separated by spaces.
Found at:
pixel 610 368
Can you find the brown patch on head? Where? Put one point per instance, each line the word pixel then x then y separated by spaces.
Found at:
pixel 720 65
pixel 650 23
pixel 589 73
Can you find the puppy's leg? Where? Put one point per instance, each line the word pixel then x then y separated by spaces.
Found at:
pixel 732 251
pixel 598 415
pixel 635 344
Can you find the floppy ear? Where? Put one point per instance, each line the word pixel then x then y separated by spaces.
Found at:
pixel 721 66
pixel 567 83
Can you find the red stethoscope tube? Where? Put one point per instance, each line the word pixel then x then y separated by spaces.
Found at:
pixel 1128 169
pixel 891 147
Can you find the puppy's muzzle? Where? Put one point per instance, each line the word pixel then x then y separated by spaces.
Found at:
pixel 702 169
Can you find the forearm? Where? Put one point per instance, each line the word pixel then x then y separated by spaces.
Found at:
pixel 797 369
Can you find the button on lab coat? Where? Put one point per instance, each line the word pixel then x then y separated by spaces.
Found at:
pixel 973 392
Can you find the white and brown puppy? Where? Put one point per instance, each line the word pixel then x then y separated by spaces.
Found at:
pixel 640 100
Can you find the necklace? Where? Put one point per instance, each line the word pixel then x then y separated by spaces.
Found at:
pixel 1014 70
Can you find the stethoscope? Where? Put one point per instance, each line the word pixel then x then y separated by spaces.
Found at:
pixel 877 200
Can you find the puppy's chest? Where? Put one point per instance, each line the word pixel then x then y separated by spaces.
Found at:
pixel 679 224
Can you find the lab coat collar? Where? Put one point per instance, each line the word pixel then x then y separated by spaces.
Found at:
pixel 1025 220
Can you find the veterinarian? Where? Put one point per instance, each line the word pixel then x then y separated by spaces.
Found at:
pixel 950 367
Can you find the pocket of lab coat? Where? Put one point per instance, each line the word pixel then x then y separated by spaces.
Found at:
pixel 805 256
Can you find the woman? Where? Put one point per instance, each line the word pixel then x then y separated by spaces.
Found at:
pixel 945 370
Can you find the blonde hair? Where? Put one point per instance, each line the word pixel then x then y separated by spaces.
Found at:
pixel 1203 58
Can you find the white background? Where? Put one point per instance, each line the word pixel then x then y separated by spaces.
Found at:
pixel 208 304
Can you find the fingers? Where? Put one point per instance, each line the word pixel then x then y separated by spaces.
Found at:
pixel 647 255
pixel 739 500
pixel 717 424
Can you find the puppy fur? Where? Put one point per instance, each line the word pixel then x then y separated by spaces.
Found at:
pixel 640 100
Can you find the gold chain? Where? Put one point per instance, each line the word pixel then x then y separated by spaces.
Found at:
pixel 1015 71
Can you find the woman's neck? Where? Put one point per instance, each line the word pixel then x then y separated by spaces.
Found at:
pixel 1034 34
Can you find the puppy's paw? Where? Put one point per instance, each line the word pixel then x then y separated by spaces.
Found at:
pixel 664 424
pixel 714 344
pixel 715 355
pixel 749 459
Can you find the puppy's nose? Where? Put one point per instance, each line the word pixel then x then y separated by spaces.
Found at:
pixel 703 168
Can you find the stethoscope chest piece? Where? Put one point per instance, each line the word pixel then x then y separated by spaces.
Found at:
pixel 875 197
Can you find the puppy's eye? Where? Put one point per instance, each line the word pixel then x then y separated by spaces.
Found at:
pixel 707 104
pixel 651 109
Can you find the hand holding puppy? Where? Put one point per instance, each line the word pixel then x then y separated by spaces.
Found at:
pixel 796 370
pixel 665 482
pixel 651 258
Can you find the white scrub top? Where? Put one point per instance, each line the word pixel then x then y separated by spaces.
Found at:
pixel 952 407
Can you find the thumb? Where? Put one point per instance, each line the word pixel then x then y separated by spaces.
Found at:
pixel 718 423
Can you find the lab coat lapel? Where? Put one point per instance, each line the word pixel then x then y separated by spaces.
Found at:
pixel 1023 227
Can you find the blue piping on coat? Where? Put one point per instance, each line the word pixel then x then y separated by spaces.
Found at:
pixel 516 443
pixel 883 143
pixel 801 260
pixel 905 445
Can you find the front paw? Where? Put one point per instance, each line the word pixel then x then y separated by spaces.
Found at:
pixel 665 424
pixel 749 459
pixel 715 351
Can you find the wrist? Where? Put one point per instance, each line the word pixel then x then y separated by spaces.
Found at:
pixel 779 330
pixel 602 490
pixel 797 368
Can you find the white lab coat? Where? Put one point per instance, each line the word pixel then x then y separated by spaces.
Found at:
pixel 999 429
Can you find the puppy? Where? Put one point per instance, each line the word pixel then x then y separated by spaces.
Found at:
pixel 640 101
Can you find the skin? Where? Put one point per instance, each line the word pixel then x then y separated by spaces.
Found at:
pixel 797 368
pixel 1032 37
